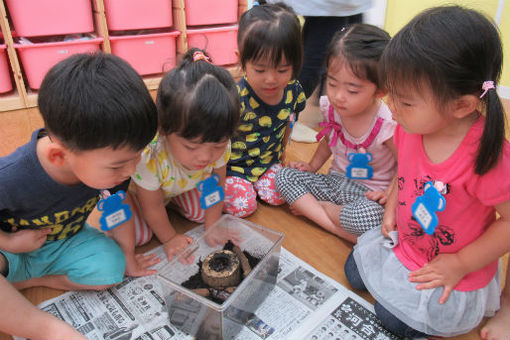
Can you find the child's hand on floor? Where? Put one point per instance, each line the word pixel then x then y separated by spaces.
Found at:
pixel 24 241
pixel 444 270
pixel 139 264
pixel 303 166
pixel 176 244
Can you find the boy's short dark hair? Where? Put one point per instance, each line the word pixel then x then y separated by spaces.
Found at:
pixel 271 31
pixel 92 101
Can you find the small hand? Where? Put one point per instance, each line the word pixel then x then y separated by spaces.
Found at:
pixel 176 244
pixel 138 265
pixel 27 240
pixel 444 270
pixel 378 196
pixel 303 166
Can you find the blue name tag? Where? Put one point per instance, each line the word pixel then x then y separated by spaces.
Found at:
pixel 425 207
pixel 210 192
pixel 358 167
pixel 114 211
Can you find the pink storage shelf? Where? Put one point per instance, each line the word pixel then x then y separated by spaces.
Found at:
pixel 50 17
pixel 5 75
pixel 219 42
pixel 38 58
pixel 209 12
pixel 138 14
pixel 147 53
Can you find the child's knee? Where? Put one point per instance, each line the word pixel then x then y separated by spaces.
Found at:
pixel 352 273
pixel 241 207
pixel 240 197
pixel 104 265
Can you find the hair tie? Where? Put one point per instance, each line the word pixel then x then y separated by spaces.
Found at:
pixel 199 55
pixel 487 85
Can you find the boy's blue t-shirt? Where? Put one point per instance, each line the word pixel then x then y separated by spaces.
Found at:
pixel 258 141
pixel 31 199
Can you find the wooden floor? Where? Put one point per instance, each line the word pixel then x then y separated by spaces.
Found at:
pixel 320 249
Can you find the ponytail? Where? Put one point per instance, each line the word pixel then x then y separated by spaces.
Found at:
pixel 493 137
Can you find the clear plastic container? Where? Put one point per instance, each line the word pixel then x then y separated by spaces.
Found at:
pixel 203 318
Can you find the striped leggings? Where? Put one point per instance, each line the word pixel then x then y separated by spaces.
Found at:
pixel 187 203
pixel 358 214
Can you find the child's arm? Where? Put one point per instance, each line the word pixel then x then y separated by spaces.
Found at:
pixel 389 222
pixel 448 269
pixel 382 196
pixel 320 157
pixel 125 235
pixel 20 318
pixel 23 241
pixel 154 212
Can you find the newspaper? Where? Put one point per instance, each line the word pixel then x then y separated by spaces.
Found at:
pixel 304 304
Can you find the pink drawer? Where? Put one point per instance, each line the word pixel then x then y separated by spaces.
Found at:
pixel 219 42
pixel 38 58
pixel 138 14
pixel 50 17
pixel 5 74
pixel 209 12
pixel 147 53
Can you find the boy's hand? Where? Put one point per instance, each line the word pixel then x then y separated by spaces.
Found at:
pixel 378 196
pixel 303 166
pixel 27 240
pixel 176 244
pixel 444 270
pixel 138 265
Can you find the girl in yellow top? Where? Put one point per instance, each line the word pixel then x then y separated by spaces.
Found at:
pixel 198 111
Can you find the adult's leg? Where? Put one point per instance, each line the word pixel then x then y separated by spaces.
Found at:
pixel 317 33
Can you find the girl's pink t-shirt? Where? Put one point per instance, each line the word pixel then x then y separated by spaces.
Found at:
pixel 384 163
pixel 470 201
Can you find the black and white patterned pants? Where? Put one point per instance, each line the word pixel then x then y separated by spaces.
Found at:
pixel 358 213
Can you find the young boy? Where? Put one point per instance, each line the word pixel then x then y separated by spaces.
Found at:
pixel 98 116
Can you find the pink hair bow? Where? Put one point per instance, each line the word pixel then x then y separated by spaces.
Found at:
pixel 486 86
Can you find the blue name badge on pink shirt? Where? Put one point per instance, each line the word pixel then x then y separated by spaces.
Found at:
pixel 114 211
pixel 425 207
pixel 358 167
pixel 210 192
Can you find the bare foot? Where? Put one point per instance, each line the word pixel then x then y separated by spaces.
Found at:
pixel 139 264
pixel 498 327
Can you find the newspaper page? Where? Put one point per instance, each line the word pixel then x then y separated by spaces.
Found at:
pixel 303 304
